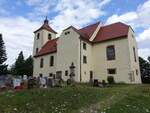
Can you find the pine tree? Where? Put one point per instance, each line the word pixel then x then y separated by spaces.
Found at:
pixel 19 64
pixel 3 57
pixel 29 66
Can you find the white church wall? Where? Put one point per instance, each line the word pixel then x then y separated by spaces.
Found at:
pixel 38 43
pixel 134 65
pixel 67 52
pixel 47 69
pixel 86 67
pixel 121 63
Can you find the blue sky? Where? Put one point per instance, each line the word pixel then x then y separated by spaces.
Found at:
pixel 19 18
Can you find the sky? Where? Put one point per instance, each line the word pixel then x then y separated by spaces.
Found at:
pixel 20 18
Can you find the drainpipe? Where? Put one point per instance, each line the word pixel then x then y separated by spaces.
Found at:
pixel 80 62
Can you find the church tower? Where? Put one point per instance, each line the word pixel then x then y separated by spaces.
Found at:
pixel 43 35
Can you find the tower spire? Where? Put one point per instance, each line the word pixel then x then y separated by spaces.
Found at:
pixel 46 20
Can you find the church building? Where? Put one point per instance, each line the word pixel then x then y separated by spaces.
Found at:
pixel 96 52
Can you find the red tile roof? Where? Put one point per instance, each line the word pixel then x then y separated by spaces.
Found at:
pixel 88 31
pixel 49 47
pixel 112 31
pixel 47 27
pixel 69 28
pixel 85 32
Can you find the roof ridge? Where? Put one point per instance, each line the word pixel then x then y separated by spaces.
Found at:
pixel 70 27
pixel 115 23
pixel 89 25
pixel 47 27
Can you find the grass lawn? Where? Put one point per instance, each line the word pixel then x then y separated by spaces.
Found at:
pixel 82 99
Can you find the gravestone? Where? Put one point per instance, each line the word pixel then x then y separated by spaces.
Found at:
pixel 25 78
pixel 16 82
pixel 42 82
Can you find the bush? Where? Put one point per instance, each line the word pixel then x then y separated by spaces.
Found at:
pixel 110 79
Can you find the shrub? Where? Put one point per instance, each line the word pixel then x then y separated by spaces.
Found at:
pixel 110 79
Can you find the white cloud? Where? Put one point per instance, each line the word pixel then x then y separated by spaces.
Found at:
pixel 127 17
pixel 78 13
pixel 144 53
pixel 145 35
pixel 18 36
pixel 41 7
pixel 138 18
pixel 143 12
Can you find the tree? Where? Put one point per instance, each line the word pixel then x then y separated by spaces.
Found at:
pixel 29 66
pixel 12 70
pixel 3 57
pixel 22 66
pixel 148 59
pixel 145 69
pixel 19 64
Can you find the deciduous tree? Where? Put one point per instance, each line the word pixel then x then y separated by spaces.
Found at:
pixel 145 69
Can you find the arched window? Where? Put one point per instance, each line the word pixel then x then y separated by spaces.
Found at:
pixel 110 51
pixel 49 36
pixel 41 63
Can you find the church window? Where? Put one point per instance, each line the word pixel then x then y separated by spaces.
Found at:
pixel 49 36
pixel 84 46
pixel 66 33
pixel 52 61
pixel 134 54
pixel 66 73
pixel 84 59
pixel 37 50
pixel 50 74
pixel 111 71
pixel 40 75
pixel 38 36
pixel 110 51
pixel 137 72
pixel 41 63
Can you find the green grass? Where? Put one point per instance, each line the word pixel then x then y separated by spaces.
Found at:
pixel 75 100
pixel 133 101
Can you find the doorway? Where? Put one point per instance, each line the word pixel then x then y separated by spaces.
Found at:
pixel 91 76
pixel 58 74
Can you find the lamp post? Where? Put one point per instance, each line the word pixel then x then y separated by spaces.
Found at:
pixel 72 72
